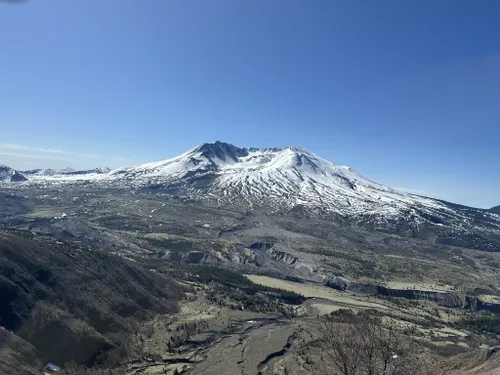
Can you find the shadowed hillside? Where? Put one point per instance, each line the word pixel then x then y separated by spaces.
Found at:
pixel 495 209
pixel 73 304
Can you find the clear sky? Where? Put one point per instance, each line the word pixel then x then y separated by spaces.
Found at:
pixel 406 92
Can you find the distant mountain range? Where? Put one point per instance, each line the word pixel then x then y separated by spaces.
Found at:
pixel 289 180
pixel 8 174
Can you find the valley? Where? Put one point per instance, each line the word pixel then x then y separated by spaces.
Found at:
pixel 185 268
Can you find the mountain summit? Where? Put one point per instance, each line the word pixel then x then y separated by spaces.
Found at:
pixel 256 173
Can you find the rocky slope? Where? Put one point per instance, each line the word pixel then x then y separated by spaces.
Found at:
pixel 8 174
pixel 495 209
pixel 72 303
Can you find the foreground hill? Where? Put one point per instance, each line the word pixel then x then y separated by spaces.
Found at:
pixel 66 303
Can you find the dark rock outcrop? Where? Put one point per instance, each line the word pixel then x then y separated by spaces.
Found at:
pixel 261 245
pixel 339 283
pixel 18 177
pixel 446 299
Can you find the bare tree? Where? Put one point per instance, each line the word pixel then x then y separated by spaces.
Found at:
pixel 364 345
pixel 341 347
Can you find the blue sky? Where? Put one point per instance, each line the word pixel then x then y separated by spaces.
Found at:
pixel 405 92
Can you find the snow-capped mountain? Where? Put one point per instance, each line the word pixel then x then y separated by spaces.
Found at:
pixel 47 176
pixel 289 179
pixel 72 172
pixel 40 172
pixel 289 176
pixel 8 174
pixel 34 174
pixel 294 179
pixel 102 169
pixel 286 177
pixel 5 172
